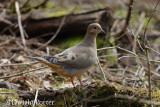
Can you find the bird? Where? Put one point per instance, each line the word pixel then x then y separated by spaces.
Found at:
pixel 76 60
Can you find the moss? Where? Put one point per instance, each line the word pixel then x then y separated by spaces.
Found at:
pixel 74 40
pixel 151 23
pixel 121 13
pixel 8 97
pixel 156 95
pixel 50 4
pixel 112 58
pixel 74 95
pixel 69 42
pixel 58 13
pixel 97 90
pixel 100 42
pixel 3 98
pixel 77 9
pixel 100 4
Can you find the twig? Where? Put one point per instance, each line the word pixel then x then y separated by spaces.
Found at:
pixel 54 36
pixel 8 28
pixel 136 40
pixel 2 17
pixel 8 59
pixel 130 6
pixel 101 70
pixel 65 103
pixel 153 50
pixel 125 57
pixel 124 31
pixel 7 42
pixel 145 30
pixel 20 23
pixel 150 60
pixel 35 100
pixel 47 51
pixel 7 92
pixel 138 31
pixel 104 56
pixel 44 35
pixel 25 4
pixel 147 53
pixel 118 48
pixel 135 55
pixel 18 74
pixel 149 74
pixel 28 50
pixel 17 64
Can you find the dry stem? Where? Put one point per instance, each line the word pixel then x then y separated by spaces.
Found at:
pixel 147 53
pixel 20 23
pixel 4 77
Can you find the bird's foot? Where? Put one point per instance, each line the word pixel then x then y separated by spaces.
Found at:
pixel 72 82
pixel 80 81
pixel 83 84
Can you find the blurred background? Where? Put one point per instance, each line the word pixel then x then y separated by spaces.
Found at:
pixel 47 27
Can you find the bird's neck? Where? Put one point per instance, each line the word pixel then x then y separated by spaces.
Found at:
pixel 89 40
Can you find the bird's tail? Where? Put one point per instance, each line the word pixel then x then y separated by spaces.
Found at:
pixel 44 61
pixel 36 58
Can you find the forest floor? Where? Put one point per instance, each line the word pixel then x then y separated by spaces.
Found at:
pixel 125 70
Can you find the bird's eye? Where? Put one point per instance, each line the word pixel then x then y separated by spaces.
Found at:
pixel 95 27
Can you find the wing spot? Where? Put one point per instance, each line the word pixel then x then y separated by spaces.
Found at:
pixel 73 57
pixel 60 55
pixel 65 57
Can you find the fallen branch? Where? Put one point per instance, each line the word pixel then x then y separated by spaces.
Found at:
pixel 74 24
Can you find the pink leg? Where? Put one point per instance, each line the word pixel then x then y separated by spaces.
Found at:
pixel 79 78
pixel 72 82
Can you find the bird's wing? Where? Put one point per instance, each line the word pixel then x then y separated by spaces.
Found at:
pixel 44 61
pixel 62 59
pixel 75 57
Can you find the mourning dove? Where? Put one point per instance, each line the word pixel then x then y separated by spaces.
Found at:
pixel 74 61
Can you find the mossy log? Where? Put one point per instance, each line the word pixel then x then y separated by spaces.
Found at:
pixel 74 23
pixel 97 93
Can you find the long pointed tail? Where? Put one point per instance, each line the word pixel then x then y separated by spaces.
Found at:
pixel 44 61
pixel 36 58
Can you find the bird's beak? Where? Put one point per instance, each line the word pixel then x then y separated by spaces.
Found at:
pixel 103 31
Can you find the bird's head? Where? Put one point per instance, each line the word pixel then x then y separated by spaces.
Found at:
pixel 95 28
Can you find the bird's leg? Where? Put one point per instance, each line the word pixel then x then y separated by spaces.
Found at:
pixel 72 82
pixel 80 81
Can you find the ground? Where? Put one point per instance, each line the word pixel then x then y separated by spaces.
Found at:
pixel 126 69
